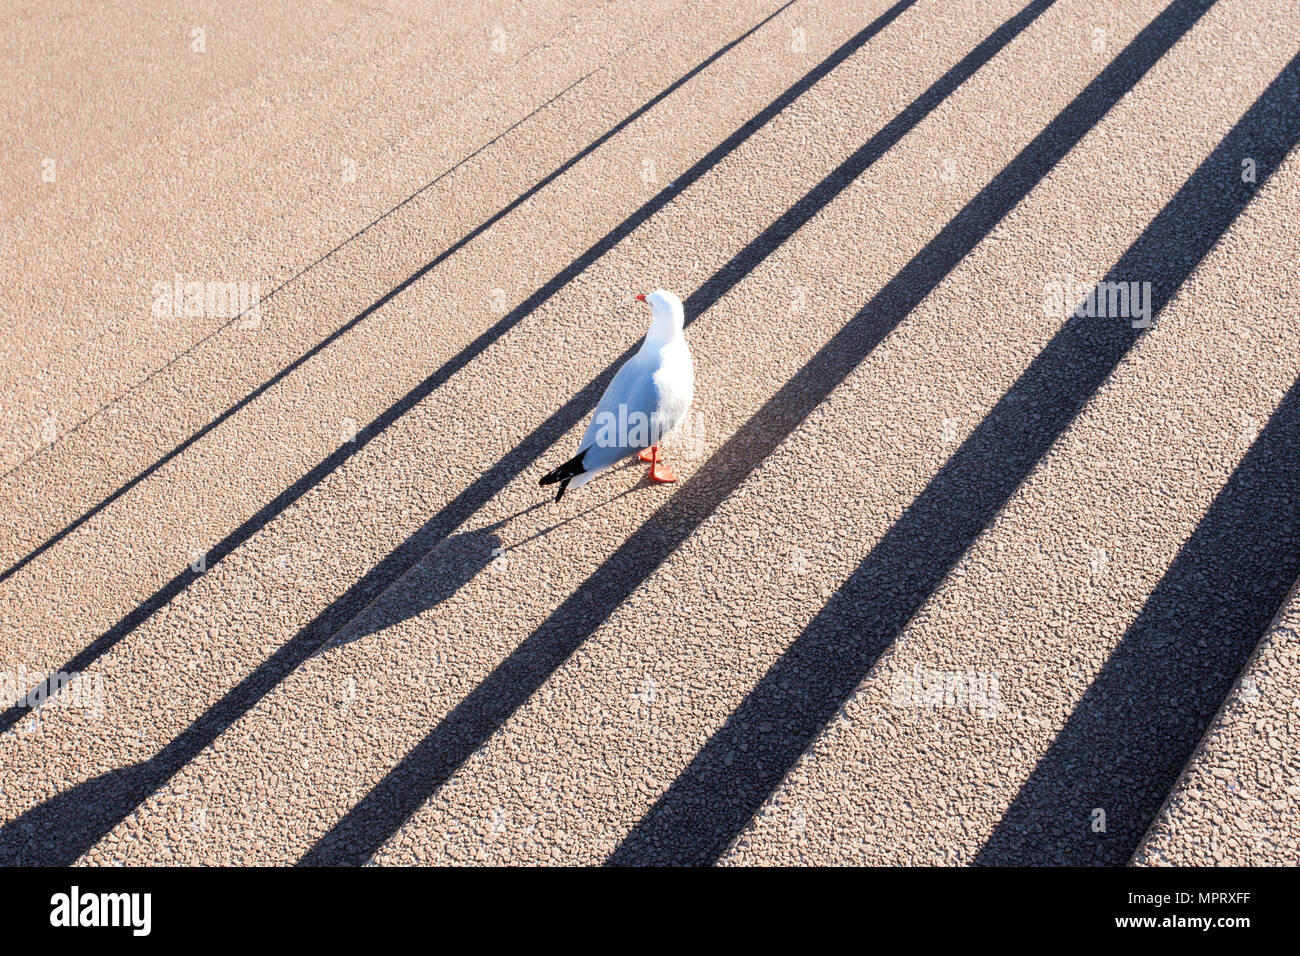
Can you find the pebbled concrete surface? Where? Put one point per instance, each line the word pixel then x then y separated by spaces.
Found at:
pixel 392 648
pixel 1235 803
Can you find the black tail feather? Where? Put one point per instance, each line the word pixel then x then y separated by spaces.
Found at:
pixel 565 473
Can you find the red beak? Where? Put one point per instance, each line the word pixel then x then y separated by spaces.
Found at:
pixel 640 298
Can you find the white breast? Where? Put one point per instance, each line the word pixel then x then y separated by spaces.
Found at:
pixel 675 380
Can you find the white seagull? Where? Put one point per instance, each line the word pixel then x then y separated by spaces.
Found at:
pixel 646 399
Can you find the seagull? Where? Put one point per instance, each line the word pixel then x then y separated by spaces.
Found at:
pixel 644 401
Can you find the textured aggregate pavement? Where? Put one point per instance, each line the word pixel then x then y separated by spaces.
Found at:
pixel 1235 804
pixel 952 575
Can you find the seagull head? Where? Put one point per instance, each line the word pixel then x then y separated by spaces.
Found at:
pixel 668 317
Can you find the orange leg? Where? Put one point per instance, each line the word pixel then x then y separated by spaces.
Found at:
pixel 659 471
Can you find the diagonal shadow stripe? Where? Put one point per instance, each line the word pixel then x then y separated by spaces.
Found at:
pixel 261 302
pixel 507 322
pixel 709 804
pixel 500 474
pixel 359 834
pixel 1135 728
pixel 59 830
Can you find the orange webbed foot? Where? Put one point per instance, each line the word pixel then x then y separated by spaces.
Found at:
pixel 661 472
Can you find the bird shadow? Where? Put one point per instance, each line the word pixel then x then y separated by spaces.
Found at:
pixel 454 563
pixel 457 561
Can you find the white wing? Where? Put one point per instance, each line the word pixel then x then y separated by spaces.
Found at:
pixel 631 399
